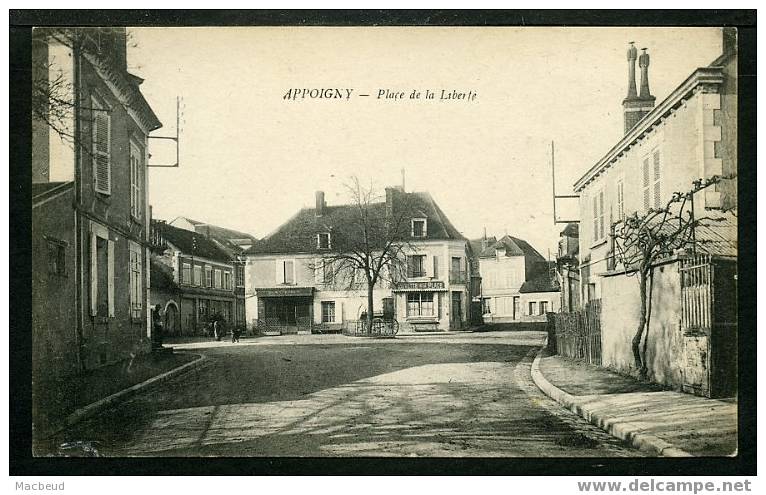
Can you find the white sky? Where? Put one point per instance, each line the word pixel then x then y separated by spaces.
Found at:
pixel 250 160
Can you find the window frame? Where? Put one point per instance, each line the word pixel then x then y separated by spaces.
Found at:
pixel 135 280
pixel 656 178
pixel 99 106
pixel 411 273
pixel 186 273
pixel 419 304
pixel 532 308
pixel 56 250
pixel 208 276
pixel 425 227
pixel 598 211
pixel 197 275
pixel 620 198
pixel 136 180
pixel 326 314
pixel 319 241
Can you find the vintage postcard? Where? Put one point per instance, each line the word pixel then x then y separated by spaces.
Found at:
pixel 391 241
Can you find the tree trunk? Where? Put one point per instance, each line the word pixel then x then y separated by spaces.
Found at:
pixel 370 308
pixel 636 343
pixel 650 281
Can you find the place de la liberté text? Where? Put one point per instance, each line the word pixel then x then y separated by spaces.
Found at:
pixel 387 95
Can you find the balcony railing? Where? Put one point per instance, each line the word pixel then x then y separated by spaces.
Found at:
pixel 416 273
pixel 458 277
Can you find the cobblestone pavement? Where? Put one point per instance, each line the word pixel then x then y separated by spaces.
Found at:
pixel 468 395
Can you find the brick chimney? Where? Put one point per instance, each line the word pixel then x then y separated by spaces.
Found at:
pixel 635 106
pixel 320 204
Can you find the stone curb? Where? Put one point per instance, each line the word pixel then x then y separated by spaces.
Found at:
pixel 627 432
pixel 92 408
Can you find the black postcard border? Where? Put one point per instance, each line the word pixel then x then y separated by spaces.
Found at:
pixel 23 464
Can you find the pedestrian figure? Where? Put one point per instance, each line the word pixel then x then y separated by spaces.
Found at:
pixel 157 333
pixel 217 330
pixel 235 333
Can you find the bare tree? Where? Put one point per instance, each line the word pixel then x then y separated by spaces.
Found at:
pixel 372 245
pixel 53 93
pixel 641 240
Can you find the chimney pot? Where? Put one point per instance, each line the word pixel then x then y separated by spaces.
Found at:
pixel 320 203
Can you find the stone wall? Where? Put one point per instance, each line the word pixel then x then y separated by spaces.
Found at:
pixel 619 320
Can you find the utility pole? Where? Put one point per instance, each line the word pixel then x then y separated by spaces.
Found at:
pixel 553 188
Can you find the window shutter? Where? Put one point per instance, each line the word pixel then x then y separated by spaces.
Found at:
pixel 647 191
pixel 595 218
pixel 101 148
pixel 110 276
pixel 601 214
pixel 436 267
pixel 93 276
pixel 318 271
pixel 657 171
pixel 620 201
pixel 428 267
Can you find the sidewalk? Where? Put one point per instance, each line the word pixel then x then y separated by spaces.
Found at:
pixel 62 402
pixel 659 421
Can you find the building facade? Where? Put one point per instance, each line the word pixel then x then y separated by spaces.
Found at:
pixel 90 214
pixel 200 275
pixel 233 243
pixel 568 267
pixel 689 136
pixel 292 287
pixel 516 283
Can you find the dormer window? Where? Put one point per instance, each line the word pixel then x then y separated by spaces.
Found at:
pixel 323 240
pixel 419 227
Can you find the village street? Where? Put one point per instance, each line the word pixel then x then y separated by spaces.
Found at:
pixel 466 394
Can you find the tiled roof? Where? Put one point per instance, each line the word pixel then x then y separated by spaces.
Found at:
pixel 513 247
pixel 718 238
pixel 298 234
pixel 193 244
pixel 220 232
pixel 571 230
pixel 541 279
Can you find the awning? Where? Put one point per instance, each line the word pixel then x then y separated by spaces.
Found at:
pixel 285 292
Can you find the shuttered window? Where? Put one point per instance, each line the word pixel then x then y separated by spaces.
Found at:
pixel 620 200
pixel 101 271
pixel 136 178
pixel 136 298
pixel 657 177
pixel 646 184
pixel 100 146
pixel 598 216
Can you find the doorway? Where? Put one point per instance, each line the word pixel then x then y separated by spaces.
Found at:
pixel 456 313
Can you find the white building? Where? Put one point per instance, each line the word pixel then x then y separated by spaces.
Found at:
pixel 517 283
pixel 290 288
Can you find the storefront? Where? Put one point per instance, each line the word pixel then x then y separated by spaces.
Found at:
pixel 422 306
pixel 285 310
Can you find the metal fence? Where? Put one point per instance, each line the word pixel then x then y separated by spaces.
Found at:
pixel 381 328
pixel 696 293
pixel 578 333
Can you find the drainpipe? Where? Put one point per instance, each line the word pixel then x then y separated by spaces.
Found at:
pixel 78 204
